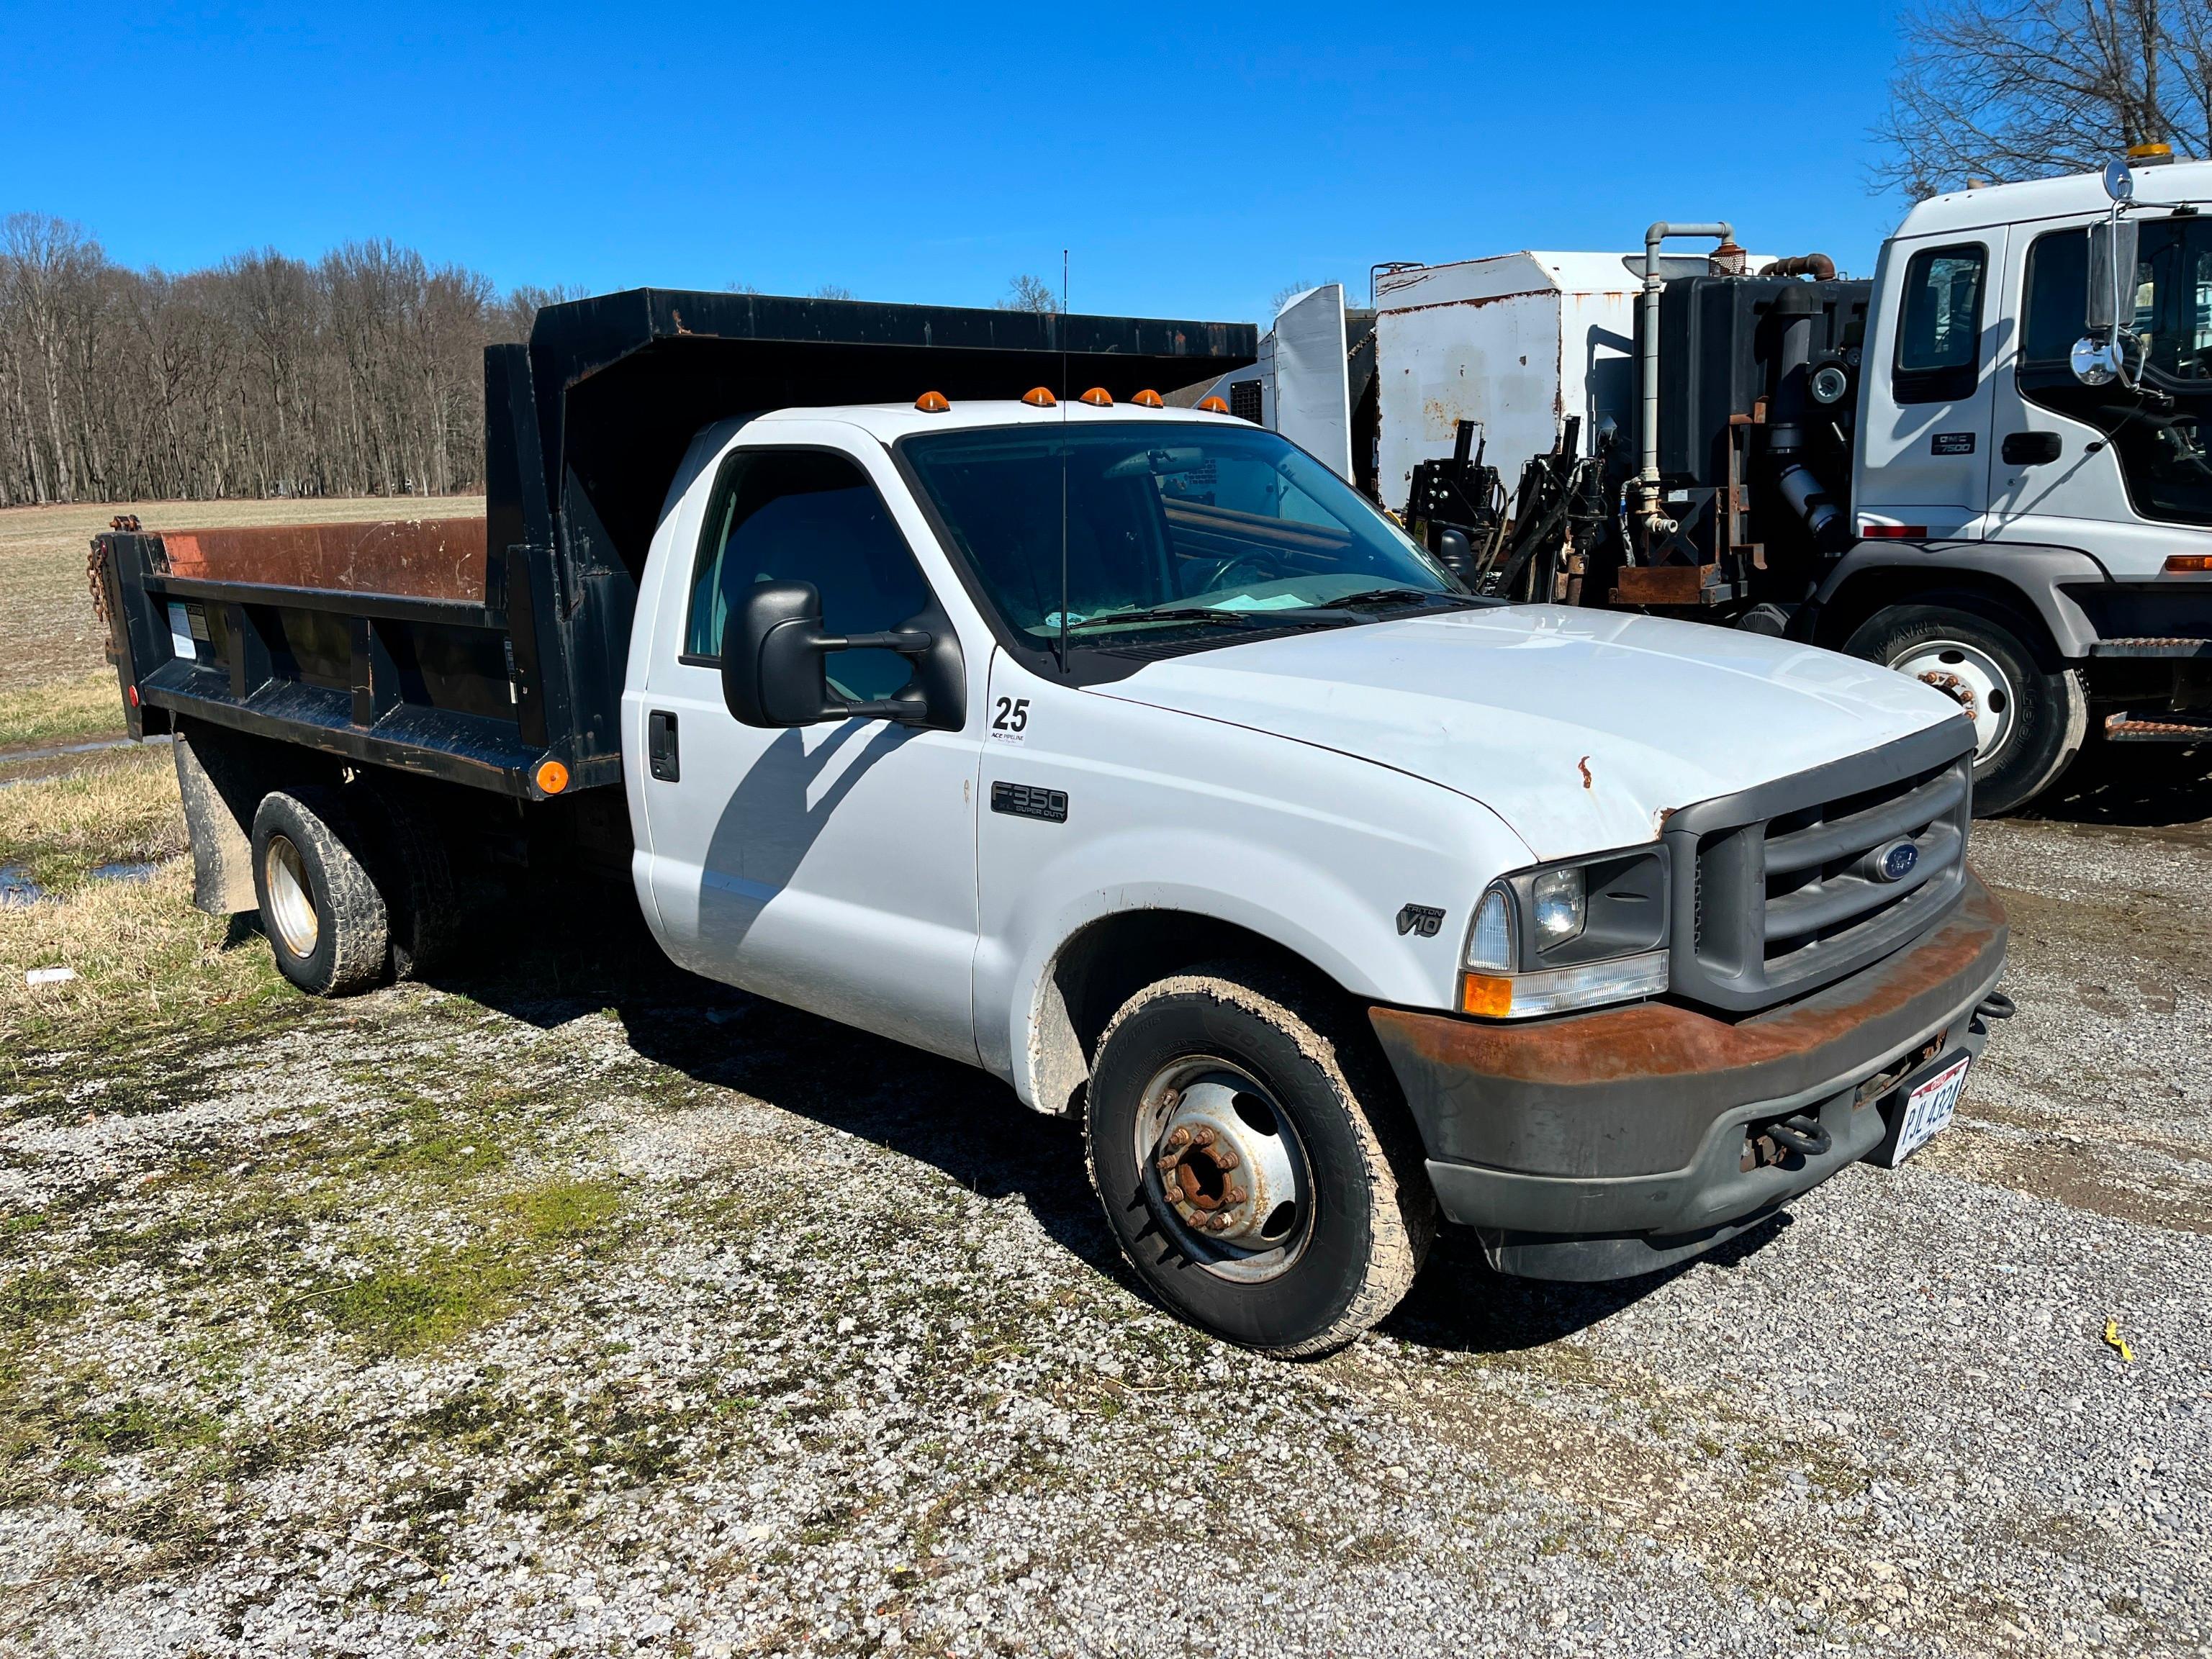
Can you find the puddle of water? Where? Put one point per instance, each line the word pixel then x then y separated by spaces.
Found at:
pixel 63 751
pixel 126 871
pixel 17 890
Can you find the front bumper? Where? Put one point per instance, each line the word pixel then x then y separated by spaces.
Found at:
pixel 1603 1145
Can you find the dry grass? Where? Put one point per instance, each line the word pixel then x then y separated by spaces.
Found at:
pixel 47 633
pixel 141 952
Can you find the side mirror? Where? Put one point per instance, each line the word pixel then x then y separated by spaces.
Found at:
pixel 1450 546
pixel 772 665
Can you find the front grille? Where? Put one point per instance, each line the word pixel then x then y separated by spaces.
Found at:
pixel 1785 892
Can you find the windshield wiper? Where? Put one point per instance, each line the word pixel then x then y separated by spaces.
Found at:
pixel 1397 596
pixel 1178 613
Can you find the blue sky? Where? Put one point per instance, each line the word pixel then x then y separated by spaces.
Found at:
pixel 1193 159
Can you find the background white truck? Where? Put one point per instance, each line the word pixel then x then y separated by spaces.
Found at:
pixel 1908 468
pixel 1124 752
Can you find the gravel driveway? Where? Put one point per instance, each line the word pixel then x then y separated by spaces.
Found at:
pixel 584 1309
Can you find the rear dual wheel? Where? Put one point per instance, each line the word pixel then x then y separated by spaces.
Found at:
pixel 1253 1164
pixel 353 886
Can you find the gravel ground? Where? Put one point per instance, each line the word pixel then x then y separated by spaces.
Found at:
pixel 584 1309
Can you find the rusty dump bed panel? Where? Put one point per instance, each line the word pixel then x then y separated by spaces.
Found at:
pixel 414 558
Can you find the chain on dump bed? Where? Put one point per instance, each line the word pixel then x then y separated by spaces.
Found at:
pixel 122 521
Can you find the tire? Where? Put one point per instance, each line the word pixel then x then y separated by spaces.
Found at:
pixel 414 869
pixel 2029 722
pixel 1256 1056
pixel 309 851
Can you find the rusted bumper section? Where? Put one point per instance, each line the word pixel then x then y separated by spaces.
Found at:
pixel 1601 1144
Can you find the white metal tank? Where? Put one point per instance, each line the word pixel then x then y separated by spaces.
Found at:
pixel 1518 342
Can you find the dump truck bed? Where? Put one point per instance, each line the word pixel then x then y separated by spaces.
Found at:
pixel 492 652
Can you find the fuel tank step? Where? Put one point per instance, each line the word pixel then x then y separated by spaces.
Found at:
pixel 2178 645
pixel 2163 726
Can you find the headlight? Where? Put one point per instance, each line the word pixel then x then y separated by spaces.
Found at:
pixel 1558 900
pixel 1569 935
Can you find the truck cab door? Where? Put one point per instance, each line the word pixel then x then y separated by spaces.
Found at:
pixel 829 866
pixel 2122 472
pixel 1924 436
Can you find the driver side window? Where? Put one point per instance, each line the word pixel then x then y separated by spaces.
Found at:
pixel 806 515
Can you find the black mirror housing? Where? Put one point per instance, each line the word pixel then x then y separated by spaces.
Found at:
pixel 772 652
pixel 772 674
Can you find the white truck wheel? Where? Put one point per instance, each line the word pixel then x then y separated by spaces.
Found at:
pixel 2028 723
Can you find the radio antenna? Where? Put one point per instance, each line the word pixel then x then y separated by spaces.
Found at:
pixel 1062 330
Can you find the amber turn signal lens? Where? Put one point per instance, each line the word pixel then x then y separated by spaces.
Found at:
pixel 552 776
pixel 2189 564
pixel 1213 405
pixel 931 403
pixel 1487 994
pixel 1039 396
pixel 1099 398
pixel 1149 398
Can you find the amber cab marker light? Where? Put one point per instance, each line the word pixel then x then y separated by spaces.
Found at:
pixel 552 776
pixel 1099 398
pixel 1149 398
pixel 931 403
pixel 1213 405
pixel 1039 396
pixel 2189 564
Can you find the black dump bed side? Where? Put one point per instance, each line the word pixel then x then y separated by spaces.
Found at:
pixel 479 650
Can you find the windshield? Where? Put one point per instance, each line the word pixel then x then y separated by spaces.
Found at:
pixel 1170 524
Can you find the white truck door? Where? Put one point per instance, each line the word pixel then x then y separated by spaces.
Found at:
pixel 1313 379
pixel 1924 437
pixel 2119 471
pixel 829 866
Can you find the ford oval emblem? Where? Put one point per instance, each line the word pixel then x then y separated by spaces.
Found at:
pixel 1897 861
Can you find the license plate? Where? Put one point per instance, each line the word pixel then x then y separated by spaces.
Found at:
pixel 1928 1108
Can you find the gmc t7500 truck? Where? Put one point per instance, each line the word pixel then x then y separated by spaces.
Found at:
pixel 923 669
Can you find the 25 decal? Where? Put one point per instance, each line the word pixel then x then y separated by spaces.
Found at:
pixel 1011 716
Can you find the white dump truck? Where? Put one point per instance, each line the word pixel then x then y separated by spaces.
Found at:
pixel 1124 752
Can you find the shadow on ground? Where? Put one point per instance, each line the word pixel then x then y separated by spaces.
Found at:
pixel 592 953
pixel 2151 786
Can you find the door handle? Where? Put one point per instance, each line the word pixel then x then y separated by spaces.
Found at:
pixel 660 746
pixel 2030 448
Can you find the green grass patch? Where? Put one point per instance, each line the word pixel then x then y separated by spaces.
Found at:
pixel 423 1302
pixel 72 710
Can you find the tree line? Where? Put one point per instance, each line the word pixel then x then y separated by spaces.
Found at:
pixel 357 373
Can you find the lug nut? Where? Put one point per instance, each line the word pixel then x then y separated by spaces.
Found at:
pixel 1204 1136
pixel 1180 1137
pixel 1227 1158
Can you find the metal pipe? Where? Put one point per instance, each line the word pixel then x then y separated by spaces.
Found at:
pixel 1819 266
pixel 1647 479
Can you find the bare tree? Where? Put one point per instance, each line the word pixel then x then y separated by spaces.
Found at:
pixel 832 291
pixel 1991 91
pixel 1288 292
pixel 359 374
pixel 1027 293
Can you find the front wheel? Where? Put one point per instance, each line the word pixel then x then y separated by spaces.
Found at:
pixel 1249 1185
pixel 2028 723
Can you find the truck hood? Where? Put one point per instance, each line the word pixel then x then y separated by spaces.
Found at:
pixel 1581 729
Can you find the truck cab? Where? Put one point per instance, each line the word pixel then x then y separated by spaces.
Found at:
pixel 2068 519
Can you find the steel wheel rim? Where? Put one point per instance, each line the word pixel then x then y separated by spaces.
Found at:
pixel 1187 1185
pixel 291 903
pixel 1973 679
